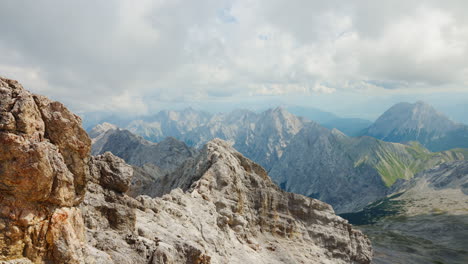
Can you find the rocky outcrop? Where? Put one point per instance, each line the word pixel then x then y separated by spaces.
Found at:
pixel 58 205
pixel 150 160
pixel 224 209
pixel 113 173
pixel 43 175
pixel 167 154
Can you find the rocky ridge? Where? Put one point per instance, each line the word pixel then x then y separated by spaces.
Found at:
pixel 59 205
pixel 224 209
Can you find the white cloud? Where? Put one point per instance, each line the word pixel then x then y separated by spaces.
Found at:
pixel 119 52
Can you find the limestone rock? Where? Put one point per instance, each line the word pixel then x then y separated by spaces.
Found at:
pixel 111 172
pixel 223 208
pixel 43 174
pixel 58 206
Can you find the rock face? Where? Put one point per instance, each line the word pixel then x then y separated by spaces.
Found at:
pixel 167 154
pixel 347 172
pixel 260 137
pixel 43 174
pixel 113 173
pixel 225 210
pixel 151 160
pixel 58 205
pixel 420 122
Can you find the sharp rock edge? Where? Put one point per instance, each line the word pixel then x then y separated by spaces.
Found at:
pixel 59 205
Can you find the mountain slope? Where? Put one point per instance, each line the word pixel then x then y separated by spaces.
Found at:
pixel 328 165
pixel 420 122
pixel 167 154
pixel 424 220
pixel 261 137
pixel 224 209
pixel 168 124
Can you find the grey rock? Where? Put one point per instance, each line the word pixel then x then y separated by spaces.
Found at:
pixel 224 209
pixel 167 154
pixel 111 172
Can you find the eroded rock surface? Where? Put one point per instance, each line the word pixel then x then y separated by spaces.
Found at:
pixel 43 175
pixel 226 210
pixel 58 205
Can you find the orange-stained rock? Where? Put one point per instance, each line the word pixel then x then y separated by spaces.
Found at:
pixel 43 171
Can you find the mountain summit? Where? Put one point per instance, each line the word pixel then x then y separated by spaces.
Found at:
pixel 420 122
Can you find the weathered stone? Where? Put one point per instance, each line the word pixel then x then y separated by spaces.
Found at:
pixel 111 172
pixel 43 167
pixel 219 207
pixel 223 208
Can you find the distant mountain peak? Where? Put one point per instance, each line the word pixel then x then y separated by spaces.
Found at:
pixel 101 129
pixel 421 122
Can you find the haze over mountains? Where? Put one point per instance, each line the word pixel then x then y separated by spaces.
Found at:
pixel 301 155
pixel 420 122
pixel 353 174
pixel 404 193
pixel 260 136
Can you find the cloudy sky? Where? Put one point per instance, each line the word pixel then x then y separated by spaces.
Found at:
pixel 354 58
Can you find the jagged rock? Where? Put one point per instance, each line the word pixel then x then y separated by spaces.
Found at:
pixel 150 160
pixel 111 172
pixel 43 174
pixel 167 154
pixel 223 208
pixel 259 136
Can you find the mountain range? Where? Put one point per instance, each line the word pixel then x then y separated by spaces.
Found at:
pixel 259 136
pixel 367 180
pixel 59 204
pixel 194 199
pixel 301 155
